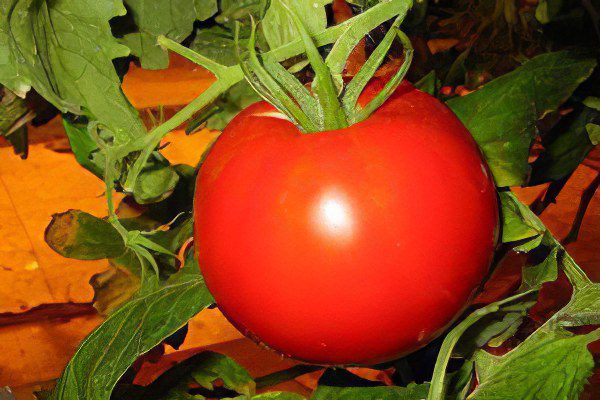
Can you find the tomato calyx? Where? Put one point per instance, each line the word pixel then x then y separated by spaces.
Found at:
pixel 331 103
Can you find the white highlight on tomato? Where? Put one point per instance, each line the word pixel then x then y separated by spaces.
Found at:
pixel 334 216
pixel 272 114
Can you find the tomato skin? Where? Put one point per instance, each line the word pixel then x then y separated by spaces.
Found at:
pixel 354 246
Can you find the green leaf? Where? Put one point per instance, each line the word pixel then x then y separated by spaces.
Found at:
pixel 548 365
pixel 493 329
pixel 84 147
pixel 584 307
pixel 171 18
pixel 19 141
pixel 277 396
pixel 593 131
pixel 490 328
pixel 457 71
pixel 205 9
pixel 502 115
pixel 204 369
pixel 428 83
pixel 133 329
pixel 76 234
pixel 64 50
pixel 535 276
pixel 523 227
pixel 171 211
pixel 547 10
pixel 156 181
pixel 232 10
pixel 364 4
pixel 210 366
pixel 285 375
pixel 592 102
pixel 460 382
pixel 571 144
pixel 519 223
pixel 279 29
pixel 122 280
pixel 144 46
pixel 438 383
pixel 411 392
pixel 116 285
pixel 14 116
pixel 510 329
pixel 293 87
pixel 216 43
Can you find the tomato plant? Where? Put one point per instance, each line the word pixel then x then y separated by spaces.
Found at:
pixel 348 218
pixel 317 243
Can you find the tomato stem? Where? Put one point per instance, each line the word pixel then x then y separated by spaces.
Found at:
pixel 392 84
pixel 229 76
pixel 268 86
pixel 217 69
pixel 331 105
pixel 323 84
pixel 360 80
pixel 151 141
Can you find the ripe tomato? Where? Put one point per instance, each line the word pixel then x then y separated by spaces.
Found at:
pixel 353 246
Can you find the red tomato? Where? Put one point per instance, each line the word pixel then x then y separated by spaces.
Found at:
pixel 353 246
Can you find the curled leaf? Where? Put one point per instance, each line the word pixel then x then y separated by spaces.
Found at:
pixel 77 234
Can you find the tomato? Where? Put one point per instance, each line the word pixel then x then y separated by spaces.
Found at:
pixel 352 246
